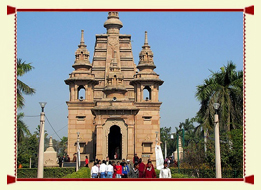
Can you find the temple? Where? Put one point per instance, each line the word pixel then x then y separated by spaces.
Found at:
pixel 114 103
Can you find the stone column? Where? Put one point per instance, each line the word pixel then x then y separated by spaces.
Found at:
pixel 130 153
pixel 99 142
pixel 138 92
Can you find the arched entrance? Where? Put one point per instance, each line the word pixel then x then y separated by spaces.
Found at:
pixel 115 142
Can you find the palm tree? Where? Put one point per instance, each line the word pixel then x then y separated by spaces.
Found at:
pixel 226 88
pixel 23 88
pixel 22 129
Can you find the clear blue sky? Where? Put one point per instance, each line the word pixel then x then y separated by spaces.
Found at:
pixel 185 46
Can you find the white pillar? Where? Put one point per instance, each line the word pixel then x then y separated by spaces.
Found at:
pixel 217 148
pixel 77 157
pixel 41 147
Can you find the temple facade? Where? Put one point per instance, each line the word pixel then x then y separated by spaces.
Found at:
pixel 114 103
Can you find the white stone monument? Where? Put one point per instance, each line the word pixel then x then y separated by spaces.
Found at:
pixel 180 151
pixel 50 155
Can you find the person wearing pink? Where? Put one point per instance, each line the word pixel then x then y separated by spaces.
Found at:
pixel 118 170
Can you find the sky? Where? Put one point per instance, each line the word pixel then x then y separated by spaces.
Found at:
pixel 186 47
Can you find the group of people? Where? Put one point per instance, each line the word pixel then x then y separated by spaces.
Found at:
pixel 124 169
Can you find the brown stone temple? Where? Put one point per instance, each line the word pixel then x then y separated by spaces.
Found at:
pixel 114 103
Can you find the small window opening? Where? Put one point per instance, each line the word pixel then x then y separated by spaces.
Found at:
pixel 147 93
pixel 81 93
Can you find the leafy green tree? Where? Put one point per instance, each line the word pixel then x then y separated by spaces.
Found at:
pixel 226 88
pixel 23 88
pixel 165 138
pixel 63 146
pixel 28 148
pixel 22 129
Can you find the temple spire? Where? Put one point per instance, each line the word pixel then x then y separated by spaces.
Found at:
pixel 146 39
pixel 51 141
pixel 82 38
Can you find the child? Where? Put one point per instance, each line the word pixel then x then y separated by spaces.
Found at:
pixel 165 172
pixel 118 170
pixel 125 170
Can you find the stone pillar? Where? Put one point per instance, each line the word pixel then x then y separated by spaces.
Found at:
pixel 130 153
pixel 75 92
pixel 138 92
pixel 99 143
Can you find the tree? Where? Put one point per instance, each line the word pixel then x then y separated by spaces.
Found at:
pixel 165 138
pixel 28 148
pixel 226 88
pixel 63 146
pixel 23 88
pixel 22 129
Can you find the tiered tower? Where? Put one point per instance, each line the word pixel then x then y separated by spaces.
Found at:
pixel 114 119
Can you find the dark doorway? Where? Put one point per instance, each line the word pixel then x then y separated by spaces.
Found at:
pixel 115 143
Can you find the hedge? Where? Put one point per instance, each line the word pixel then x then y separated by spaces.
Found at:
pixel 83 172
pixel 203 173
pixel 208 173
pixel 55 172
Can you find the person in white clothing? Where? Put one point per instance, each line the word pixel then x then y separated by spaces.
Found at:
pixel 94 171
pixel 109 170
pixel 165 172
pixel 103 169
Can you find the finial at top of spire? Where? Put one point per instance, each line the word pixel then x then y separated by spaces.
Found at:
pixel 82 37
pixel 113 23
pixel 51 141
pixel 146 38
pixel 113 15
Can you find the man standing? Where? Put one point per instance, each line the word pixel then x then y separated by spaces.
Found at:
pixel 135 159
pixel 129 165
pixel 60 161
pixel 109 170
pixel 94 171
pixel 103 169
pixel 165 172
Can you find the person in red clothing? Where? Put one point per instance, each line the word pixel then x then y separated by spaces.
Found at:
pixel 86 161
pixel 135 159
pixel 118 170
pixel 149 160
pixel 149 171
pixel 141 168
pixel 114 169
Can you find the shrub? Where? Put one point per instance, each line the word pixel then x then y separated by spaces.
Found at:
pixel 179 175
pixel 55 172
pixel 84 172
pixel 157 173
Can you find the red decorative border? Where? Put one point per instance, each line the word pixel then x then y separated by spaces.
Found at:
pixel 244 93
pixel 246 10
pixel 15 93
